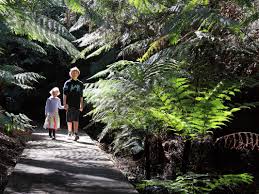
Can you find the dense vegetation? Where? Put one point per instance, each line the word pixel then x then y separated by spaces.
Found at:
pixel 178 71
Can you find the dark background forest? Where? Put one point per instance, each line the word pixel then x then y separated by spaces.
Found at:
pixel 170 85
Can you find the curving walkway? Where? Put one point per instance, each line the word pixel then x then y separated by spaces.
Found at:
pixel 63 166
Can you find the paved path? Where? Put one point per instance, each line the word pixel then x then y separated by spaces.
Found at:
pixel 63 166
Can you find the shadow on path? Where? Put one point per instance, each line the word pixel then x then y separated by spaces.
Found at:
pixel 64 166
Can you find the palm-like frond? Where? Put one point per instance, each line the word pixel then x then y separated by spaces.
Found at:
pixel 28 26
pixel 14 75
pixel 54 26
pixel 99 51
pixel 27 78
pixel 82 20
pixel 11 68
pixel 91 38
pixel 137 95
pixel 15 122
pixel 112 25
pixel 26 44
pixel 120 22
pixel 37 27
pixel 138 47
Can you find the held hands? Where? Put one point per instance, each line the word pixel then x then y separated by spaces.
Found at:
pixel 65 106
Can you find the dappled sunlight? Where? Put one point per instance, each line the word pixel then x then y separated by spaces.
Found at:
pixel 64 166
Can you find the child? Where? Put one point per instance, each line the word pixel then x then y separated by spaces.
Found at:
pixel 52 121
pixel 73 101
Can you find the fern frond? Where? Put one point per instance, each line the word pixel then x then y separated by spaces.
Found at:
pixel 27 78
pixel 99 51
pixel 82 20
pixel 11 68
pixel 27 25
pixel 17 122
pixel 91 38
pixel 28 44
pixel 112 69
pixel 54 26
pixel 136 47
pixel 155 47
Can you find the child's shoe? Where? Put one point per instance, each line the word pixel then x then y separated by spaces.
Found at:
pixel 76 138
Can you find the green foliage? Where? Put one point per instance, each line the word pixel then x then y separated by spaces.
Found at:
pixel 154 97
pixel 200 183
pixel 11 122
pixel 27 79
pixel 25 43
pixel 14 75
pixel 128 141
pixel 112 23
pixel 194 113
pixel 199 33
pixel 23 21
pixel 75 5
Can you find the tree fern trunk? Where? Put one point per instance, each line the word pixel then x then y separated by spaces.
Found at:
pixel 147 157
pixel 186 153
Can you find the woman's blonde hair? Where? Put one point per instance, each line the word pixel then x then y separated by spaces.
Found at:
pixel 55 89
pixel 74 69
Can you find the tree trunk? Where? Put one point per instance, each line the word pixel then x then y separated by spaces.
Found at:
pixel 186 153
pixel 147 158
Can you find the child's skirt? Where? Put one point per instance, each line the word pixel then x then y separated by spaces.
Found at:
pixel 52 121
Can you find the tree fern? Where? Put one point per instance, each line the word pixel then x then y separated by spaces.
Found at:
pixel 178 21
pixel 138 95
pixel 112 27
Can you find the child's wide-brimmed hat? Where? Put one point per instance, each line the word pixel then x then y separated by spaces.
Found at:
pixel 55 89
pixel 74 69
